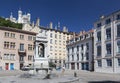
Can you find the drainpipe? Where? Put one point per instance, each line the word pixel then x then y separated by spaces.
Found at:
pixel 113 44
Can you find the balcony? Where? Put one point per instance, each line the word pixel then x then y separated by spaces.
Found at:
pixel 107 25
pixel 108 39
pixel 98 42
pixel 108 55
pixel 117 54
pixel 118 37
pixel 82 51
pixel 77 52
pixel 21 61
pixel 98 56
pixel 21 51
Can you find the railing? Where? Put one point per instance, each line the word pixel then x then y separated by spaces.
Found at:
pixel 22 51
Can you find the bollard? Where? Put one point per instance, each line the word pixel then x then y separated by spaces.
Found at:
pixel 75 74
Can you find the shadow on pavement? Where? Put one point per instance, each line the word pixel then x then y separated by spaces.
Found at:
pixel 104 82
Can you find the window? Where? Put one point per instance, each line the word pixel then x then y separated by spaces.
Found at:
pixel 98 50
pixel 108 33
pixel 51 41
pixel 99 36
pixel 99 62
pixel 30 38
pixel 68 50
pixel 86 35
pixel 98 25
pixel 82 57
pixel 21 47
pixel 118 30
pixel 118 47
pixel 77 56
pixel 6 34
pixel 109 62
pixel 21 58
pixel 9 56
pixel 68 58
pixel 6 44
pixel 30 58
pixel 87 56
pixel 30 47
pixel 12 45
pixel 59 36
pixel 108 21
pixel 12 56
pixel 72 57
pixel 77 48
pixel 55 41
pixel 118 17
pixel 12 35
pixel 6 56
pixel 108 48
pixel 22 37
pixel 118 61
pixel 82 47
pixel 55 35
pixel 87 46
pixel 51 48
pixel 34 38
pixel 72 49
pixel 51 35
pixel 63 37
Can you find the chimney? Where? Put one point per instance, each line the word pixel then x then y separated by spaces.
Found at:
pixel 101 17
pixel 64 29
pixel 38 22
pixel 51 25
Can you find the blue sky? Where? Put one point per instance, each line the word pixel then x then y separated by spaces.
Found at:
pixel 75 14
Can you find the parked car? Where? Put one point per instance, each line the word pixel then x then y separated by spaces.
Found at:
pixel 25 68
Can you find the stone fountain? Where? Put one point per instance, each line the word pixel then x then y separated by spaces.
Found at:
pixel 40 63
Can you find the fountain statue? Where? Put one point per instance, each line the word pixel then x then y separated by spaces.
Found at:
pixel 40 64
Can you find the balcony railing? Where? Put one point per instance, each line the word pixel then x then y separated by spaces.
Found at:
pixel 98 42
pixel 21 61
pixel 21 51
pixel 108 55
pixel 117 53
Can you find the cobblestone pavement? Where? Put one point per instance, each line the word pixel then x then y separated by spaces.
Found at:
pixel 58 76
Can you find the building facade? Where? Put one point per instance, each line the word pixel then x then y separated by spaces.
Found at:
pixel 56 40
pixel 16 48
pixel 80 52
pixel 107 43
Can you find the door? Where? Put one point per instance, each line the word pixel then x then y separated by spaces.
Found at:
pixel 21 65
pixel 72 66
pixel 12 66
pixel 6 66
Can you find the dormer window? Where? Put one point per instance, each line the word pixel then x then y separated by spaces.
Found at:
pixel 118 17
pixel 108 21
pixel 99 25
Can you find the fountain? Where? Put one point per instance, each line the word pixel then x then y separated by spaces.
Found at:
pixel 40 68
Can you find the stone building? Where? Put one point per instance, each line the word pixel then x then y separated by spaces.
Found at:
pixel 80 51
pixel 107 43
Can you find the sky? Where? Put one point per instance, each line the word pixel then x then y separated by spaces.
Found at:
pixel 76 15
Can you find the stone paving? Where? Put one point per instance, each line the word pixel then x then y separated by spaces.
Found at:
pixel 58 77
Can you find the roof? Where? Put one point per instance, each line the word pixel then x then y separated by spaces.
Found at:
pixel 17 30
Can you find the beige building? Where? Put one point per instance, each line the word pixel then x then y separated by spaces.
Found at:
pixel 56 40
pixel 16 48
